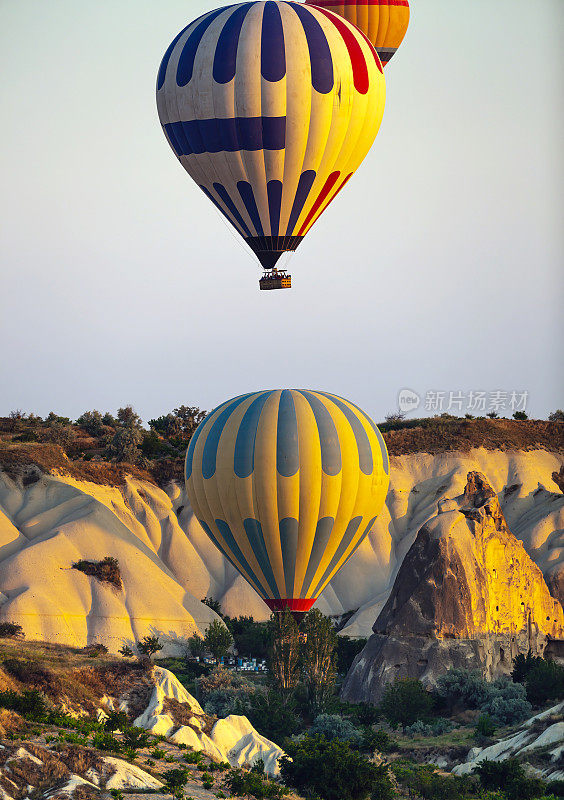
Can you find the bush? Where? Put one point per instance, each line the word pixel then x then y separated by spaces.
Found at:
pixel 107 570
pixel 272 715
pixel 332 770
pixel 511 778
pixel 30 704
pixel 105 741
pixel 135 738
pixel 252 784
pixel 175 778
pixel 116 720
pixel 507 703
pixel 424 781
pixel 485 726
pixel 11 630
pixel 405 701
pixel 463 686
pixel 333 726
pixel 435 727
pixel 149 645
pixel 545 682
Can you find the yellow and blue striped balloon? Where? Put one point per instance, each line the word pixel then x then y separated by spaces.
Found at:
pixel 270 107
pixel 287 483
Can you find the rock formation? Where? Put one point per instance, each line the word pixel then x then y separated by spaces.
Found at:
pixel 47 522
pixel 466 595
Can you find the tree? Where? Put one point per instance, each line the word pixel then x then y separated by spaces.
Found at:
pixel 556 416
pixel 60 434
pixel 126 651
pixel 124 445
pixel 196 647
pixel 215 605
pixel 492 415
pixel 318 659
pixel 283 661
pixel 520 416
pixel 405 701
pixel 347 651
pixel 218 639
pixel 149 645
pixel 91 422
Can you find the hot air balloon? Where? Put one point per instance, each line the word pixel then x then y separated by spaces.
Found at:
pixel 270 107
pixel 384 22
pixel 287 484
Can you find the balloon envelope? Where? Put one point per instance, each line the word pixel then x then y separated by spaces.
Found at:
pixel 287 484
pixel 383 21
pixel 270 108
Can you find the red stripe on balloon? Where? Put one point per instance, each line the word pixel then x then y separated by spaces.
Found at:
pixel 331 3
pixel 293 604
pixel 331 180
pixel 359 65
pixel 329 183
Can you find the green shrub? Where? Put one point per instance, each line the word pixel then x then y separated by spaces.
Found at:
pixel 545 682
pixel 175 778
pixel 149 645
pixel 30 704
pixel 271 714
pixel 405 701
pixel 507 703
pixel 116 720
pixel 376 740
pixel 107 570
pixel 135 738
pixel 105 741
pixel 331 770
pixel 424 781
pixel 11 630
pixel 463 686
pixel 485 726
pixel 254 785
pixel 435 727
pixel 333 726
pixel 511 778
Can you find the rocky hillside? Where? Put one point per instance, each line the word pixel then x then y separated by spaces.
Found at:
pixel 466 595
pixel 57 509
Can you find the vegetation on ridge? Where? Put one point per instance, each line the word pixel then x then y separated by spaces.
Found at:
pixel 104 448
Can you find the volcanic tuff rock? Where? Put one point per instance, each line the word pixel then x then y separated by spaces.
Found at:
pixel 466 595
pixel 167 562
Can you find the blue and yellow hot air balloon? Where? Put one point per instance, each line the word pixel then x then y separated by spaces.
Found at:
pixel 384 22
pixel 270 107
pixel 287 484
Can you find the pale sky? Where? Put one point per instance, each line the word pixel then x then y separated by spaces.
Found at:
pixel 438 268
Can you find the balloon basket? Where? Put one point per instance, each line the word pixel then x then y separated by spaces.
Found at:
pixel 274 279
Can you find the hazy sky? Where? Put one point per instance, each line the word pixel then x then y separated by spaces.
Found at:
pixel 439 267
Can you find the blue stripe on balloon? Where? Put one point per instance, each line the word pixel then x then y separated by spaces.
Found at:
pixel 320 542
pixel 209 454
pixel 225 59
pixel 348 536
pixel 244 457
pixel 272 48
pixel 228 135
pixel 231 560
pixel 319 50
pixel 253 529
pixel 383 448
pixel 166 58
pixel 328 437
pixel 222 192
pixel 198 431
pixel 362 441
pixel 248 198
pixel 185 67
pixel 274 193
pixel 304 187
pixel 225 531
pixel 289 543
pixel 287 449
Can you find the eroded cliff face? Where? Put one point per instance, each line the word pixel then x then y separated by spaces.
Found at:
pixel 168 563
pixel 466 595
